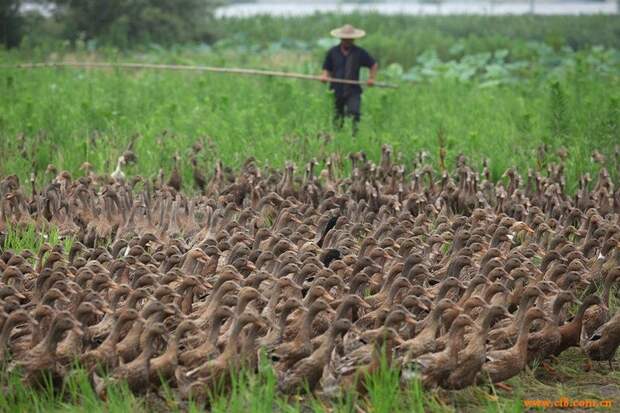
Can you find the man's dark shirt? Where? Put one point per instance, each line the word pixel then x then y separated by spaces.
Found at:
pixel 346 67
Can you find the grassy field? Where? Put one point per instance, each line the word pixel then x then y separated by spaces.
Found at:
pixel 488 95
pixel 65 117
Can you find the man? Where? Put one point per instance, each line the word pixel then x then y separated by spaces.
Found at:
pixel 344 62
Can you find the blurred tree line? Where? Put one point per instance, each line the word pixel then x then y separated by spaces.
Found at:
pixel 122 23
pixel 10 22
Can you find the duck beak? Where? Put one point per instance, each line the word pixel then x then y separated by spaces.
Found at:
pixel 169 311
pixel 77 330
pixel 423 306
pixel 411 321
pixel 365 305
pixel 335 303
pixel 328 296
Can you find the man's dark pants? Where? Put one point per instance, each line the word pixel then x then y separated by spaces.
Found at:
pixel 347 105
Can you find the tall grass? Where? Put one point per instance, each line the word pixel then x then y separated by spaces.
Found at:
pixel 28 237
pixel 249 391
pixel 65 117
pixel 76 395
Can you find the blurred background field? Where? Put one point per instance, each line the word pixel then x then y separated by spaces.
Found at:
pixel 490 86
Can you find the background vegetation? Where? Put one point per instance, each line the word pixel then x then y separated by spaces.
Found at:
pixel 123 23
pixel 486 105
pixel 402 38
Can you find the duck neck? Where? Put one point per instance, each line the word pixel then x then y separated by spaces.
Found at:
pixel 149 345
pixel 521 343
pixel 393 292
pixel 524 305
pixel 580 313
pixel 481 336
pixel 455 340
pixel 443 291
pixel 607 290
pixel 490 293
pixel 310 298
pixel 558 304
pixel 433 319
pixel 214 302
pixel 186 300
pixel 52 339
pixel 282 322
pixel 270 308
pixel 241 305
pixel 132 301
pixel 118 328
pixel 306 328
pixel 343 309
pixel 231 345
pixel 7 328
pixel 325 349
pixel 172 350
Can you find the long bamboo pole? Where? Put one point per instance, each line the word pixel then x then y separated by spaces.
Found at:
pixel 239 71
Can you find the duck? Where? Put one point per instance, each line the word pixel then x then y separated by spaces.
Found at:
pixel 199 379
pixel 246 260
pixel 603 343
pixel 471 358
pixel 289 353
pixel 544 343
pixel 11 321
pixel 504 337
pixel 209 344
pixel 434 368
pixel 424 341
pixel 118 175
pixel 162 368
pixel 72 346
pixel 500 365
pixel 598 315
pixel 308 371
pixel 137 372
pixel 41 361
pixel 354 371
pixel 105 355
pixel 571 331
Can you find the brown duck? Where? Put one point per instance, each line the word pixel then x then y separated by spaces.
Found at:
pixel 308 371
pixel 473 356
pixel 503 364
pixel 434 368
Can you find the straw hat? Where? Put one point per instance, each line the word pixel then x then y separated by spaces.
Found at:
pixel 348 32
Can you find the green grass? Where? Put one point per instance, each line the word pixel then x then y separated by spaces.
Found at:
pixel 27 237
pixel 65 117
pixel 257 392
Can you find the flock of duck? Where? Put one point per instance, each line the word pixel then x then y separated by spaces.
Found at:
pixel 450 277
